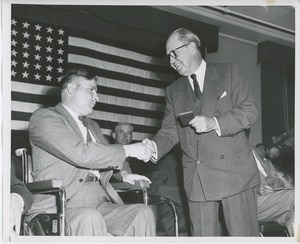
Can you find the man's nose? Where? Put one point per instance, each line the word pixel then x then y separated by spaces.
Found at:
pixel 96 98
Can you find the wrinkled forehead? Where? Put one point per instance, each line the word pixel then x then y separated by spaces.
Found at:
pixel 124 128
pixel 173 42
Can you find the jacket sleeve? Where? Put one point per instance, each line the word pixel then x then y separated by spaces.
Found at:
pixel 243 114
pixel 52 133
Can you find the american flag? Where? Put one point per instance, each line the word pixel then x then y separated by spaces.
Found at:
pixel 131 84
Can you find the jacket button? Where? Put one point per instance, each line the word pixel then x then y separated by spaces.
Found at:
pixel 198 162
pixel 80 180
pixel 222 156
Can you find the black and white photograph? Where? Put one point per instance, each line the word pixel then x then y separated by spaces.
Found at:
pixel 144 121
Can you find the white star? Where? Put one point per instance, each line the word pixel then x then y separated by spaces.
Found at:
pixel 37 57
pixel 49 58
pixel 60 42
pixel 37 76
pixel 49 30
pixel 26 35
pixel 38 37
pixel 61 31
pixel 13 42
pixel 25 45
pixel 14 53
pixel 38 27
pixel 60 60
pixel 60 70
pixel 37 47
pixel 49 68
pixel 14 32
pixel 49 39
pixel 37 66
pixel 25 74
pixel 59 79
pixel 26 25
pixel 60 51
pixel 49 49
pixel 14 22
pixel 25 64
pixel 26 55
pixel 48 77
pixel 13 73
pixel 14 63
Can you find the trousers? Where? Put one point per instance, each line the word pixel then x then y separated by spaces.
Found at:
pixel 240 215
pixel 91 213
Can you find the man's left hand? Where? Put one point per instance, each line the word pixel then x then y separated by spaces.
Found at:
pixel 131 178
pixel 203 124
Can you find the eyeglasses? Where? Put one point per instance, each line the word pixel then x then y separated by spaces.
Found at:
pixel 173 53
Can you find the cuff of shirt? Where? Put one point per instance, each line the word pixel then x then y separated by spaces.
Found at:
pixel 218 130
pixel 154 156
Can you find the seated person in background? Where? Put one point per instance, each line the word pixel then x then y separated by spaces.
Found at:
pixel 20 200
pixel 67 145
pixel 123 134
pixel 275 196
pixel 167 181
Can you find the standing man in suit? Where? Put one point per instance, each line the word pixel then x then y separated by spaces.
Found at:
pixel 218 165
pixel 20 199
pixel 69 146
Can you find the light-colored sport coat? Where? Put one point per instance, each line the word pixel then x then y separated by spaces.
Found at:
pixel 59 152
pixel 215 167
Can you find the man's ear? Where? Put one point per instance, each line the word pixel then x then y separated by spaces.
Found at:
pixel 113 134
pixel 71 87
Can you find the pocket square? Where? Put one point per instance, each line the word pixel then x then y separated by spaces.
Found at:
pixel 223 95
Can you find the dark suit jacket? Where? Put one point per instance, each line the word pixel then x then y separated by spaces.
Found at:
pixel 59 151
pixel 214 166
pixel 17 186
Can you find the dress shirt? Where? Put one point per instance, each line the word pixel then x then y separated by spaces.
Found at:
pixel 200 73
pixel 259 166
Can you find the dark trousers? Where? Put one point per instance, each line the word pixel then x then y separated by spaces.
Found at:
pixel 240 215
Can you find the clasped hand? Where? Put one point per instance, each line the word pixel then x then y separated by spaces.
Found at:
pixel 203 124
pixel 141 150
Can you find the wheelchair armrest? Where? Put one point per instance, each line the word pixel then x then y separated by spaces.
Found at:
pixel 124 186
pixel 46 186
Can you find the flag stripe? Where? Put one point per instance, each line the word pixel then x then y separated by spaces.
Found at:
pixel 118 56
pixel 131 84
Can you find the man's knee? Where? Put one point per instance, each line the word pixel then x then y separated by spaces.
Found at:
pixel 86 222
pixel 145 212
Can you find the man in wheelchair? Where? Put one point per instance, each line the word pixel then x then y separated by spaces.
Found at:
pixel 69 146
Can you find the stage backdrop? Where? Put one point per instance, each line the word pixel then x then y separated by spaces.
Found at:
pixel 129 59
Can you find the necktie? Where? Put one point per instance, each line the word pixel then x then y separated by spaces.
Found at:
pixel 84 122
pixel 196 86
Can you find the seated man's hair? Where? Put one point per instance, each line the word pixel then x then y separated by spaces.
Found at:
pixel 69 75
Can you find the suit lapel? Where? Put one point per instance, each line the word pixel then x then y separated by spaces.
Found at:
pixel 212 90
pixel 62 111
pixel 183 101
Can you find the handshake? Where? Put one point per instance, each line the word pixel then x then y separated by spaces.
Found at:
pixel 141 150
